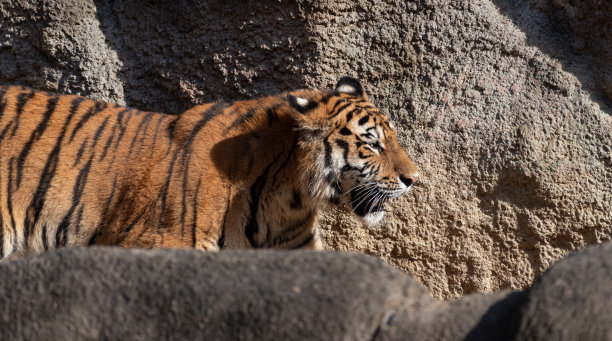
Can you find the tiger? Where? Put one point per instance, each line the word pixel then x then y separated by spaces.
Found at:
pixel 246 174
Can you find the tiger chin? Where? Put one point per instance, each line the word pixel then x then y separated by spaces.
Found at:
pixel 247 174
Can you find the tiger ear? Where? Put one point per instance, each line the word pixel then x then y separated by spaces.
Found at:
pixel 305 115
pixel 302 105
pixel 350 86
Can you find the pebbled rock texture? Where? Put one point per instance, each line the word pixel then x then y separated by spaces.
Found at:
pixel 113 293
pixel 499 103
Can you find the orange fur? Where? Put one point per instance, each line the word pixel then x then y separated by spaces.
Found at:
pixel 75 171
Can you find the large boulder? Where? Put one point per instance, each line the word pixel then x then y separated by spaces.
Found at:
pixel 495 102
pixel 112 293
pixel 572 300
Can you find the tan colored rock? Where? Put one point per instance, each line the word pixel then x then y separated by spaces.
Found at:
pixel 515 152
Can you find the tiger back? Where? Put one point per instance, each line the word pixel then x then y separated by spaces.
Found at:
pixel 75 171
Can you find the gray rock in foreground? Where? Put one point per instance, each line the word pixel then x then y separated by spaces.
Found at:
pixel 112 293
pixel 573 300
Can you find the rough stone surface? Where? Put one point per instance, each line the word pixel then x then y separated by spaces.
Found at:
pixel 572 300
pixel 58 46
pixel 590 25
pixel 187 294
pixel 514 153
pixel 497 103
pixel 112 293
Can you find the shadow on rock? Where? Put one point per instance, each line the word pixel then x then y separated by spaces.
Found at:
pixel 179 53
pixel 575 33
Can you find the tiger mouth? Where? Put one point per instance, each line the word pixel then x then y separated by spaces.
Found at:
pixel 366 201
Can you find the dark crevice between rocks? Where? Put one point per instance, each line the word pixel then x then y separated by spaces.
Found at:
pixel 501 321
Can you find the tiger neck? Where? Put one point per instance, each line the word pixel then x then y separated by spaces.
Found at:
pixel 281 213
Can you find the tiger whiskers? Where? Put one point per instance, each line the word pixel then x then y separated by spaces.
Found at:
pixel 367 195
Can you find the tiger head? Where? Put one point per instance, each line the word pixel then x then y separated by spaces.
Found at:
pixel 350 153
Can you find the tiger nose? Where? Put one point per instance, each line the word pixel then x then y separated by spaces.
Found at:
pixel 409 180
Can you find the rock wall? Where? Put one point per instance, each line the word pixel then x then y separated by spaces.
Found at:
pixel 504 115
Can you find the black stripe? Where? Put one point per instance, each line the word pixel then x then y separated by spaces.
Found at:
pixel 171 128
pixel 99 133
pixel 282 166
pixel 77 194
pixel 352 112
pixel 326 98
pixel 103 223
pixel 79 220
pixel 22 99
pixel 35 135
pixel 336 105
pixel 128 227
pixel 109 141
pixel 292 232
pixel 304 242
pixel 349 116
pixel 272 117
pixel 80 152
pixel 206 117
pixel 363 156
pixel 45 239
pixel 252 227
pixel 5 130
pixel 143 125
pixel 74 105
pixel 345 131
pixel 38 199
pixel 164 192
pixel 296 200
pixel 347 167
pixel 187 149
pixel 97 108
pixel 184 200
pixel 122 125
pixel 162 117
pixel 195 213
pixel 363 120
pixel 345 146
pixel 9 195
pixel 221 241
pixel 328 151
pixel 340 110
pixel 241 119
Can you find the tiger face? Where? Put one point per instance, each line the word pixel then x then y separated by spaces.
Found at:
pixel 353 156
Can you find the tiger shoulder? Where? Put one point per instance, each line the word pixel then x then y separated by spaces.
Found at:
pixel 247 174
